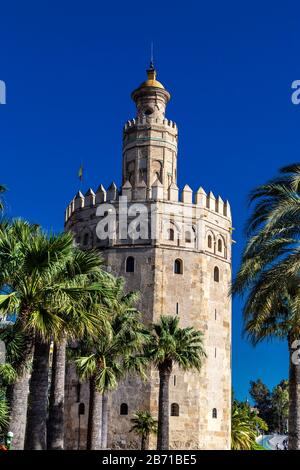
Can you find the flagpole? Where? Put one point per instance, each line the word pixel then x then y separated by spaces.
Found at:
pixel 80 176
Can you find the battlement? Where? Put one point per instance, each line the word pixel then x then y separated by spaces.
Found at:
pixel 92 199
pixel 148 120
pixel 156 193
pixel 200 198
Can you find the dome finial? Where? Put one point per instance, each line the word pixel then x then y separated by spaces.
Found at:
pixel 151 72
pixel 151 57
pixel 151 81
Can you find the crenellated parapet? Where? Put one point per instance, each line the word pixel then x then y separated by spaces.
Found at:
pixel 149 120
pixel 91 199
pixel 201 199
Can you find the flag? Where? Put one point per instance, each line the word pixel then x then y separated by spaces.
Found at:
pixel 80 173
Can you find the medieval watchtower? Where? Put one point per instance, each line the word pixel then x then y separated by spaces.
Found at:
pixel 175 248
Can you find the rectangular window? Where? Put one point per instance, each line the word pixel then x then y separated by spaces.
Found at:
pixel 174 380
pixel 215 313
pixel 177 308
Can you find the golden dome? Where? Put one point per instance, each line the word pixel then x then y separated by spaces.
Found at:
pixel 151 72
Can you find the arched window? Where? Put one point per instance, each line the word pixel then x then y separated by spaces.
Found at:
pixel 220 245
pixel 124 409
pixel 174 409
pixel 130 264
pixel 216 274
pixel 209 241
pixel 188 236
pixel 178 266
pixel 149 111
pixel 214 413
pixel 86 239
pixel 81 409
pixel 171 234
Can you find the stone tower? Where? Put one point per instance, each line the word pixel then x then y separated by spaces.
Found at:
pixel 176 250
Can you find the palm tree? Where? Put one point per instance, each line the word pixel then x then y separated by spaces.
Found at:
pixel 77 328
pixel 81 316
pixel 2 190
pixel 143 425
pixel 80 323
pixel 269 274
pixel 171 345
pixel 245 427
pixel 27 261
pixel 115 353
pixel 32 268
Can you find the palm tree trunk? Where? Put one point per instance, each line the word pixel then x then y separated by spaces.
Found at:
pixel 55 438
pixel 294 400
pixel 104 421
pixel 144 441
pixel 163 406
pixel 94 419
pixel 38 398
pixel 17 395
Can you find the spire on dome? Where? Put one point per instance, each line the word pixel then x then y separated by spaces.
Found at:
pixel 151 58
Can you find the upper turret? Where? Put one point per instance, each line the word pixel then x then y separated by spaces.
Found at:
pixel 151 97
pixel 150 140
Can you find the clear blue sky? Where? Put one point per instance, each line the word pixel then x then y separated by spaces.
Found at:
pixel 70 67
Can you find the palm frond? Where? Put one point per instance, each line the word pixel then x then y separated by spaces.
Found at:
pixel 170 343
pixel 270 267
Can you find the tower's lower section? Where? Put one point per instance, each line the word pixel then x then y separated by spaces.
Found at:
pixel 193 428
pixel 200 402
